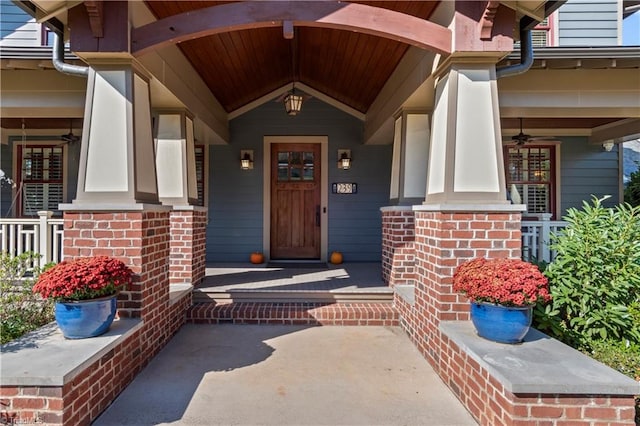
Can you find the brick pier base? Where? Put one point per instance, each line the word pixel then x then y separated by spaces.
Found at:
pixel 141 240
pixel 444 240
pixel 187 245
pixel 398 250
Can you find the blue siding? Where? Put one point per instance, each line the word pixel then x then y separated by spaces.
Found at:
pixel 235 204
pixel 588 23
pixel 16 26
pixel 587 170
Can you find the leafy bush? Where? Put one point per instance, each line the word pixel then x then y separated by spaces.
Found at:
pixel 20 310
pixel 595 277
pixel 618 355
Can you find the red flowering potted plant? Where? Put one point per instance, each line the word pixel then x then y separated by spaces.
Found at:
pixel 502 293
pixel 85 291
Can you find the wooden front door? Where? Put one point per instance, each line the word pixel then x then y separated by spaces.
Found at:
pixel 295 201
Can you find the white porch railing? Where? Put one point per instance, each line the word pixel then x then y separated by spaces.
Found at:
pixel 536 237
pixel 42 235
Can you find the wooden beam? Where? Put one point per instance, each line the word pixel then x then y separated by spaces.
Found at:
pixel 248 15
pixel 486 22
pixel 95 12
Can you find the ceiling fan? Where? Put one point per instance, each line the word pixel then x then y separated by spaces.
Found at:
pixel 69 137
pixel 522 138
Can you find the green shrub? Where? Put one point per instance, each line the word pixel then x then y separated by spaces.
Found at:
pixel 624 357
pixel 21 310
pixel 595 277
pixel 632 191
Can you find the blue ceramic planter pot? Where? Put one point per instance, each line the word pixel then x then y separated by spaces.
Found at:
pixel 501 323
pixel 85 318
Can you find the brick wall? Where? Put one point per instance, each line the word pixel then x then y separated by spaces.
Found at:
pixel 491 404
pixel 188 246
pixel 141 240
pixel 83 398
pixel 443 241
pixel 398 251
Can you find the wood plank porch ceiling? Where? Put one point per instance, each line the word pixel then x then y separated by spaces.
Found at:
pixel 242 66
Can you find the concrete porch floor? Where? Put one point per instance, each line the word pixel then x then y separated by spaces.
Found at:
pixel 347 282
pixel 271 277
pixel 287 375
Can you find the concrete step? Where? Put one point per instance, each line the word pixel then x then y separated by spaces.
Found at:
pixel 292 313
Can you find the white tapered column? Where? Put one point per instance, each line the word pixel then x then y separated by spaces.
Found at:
pixel 465 162
pixel 410 158
pixel 175 158
pixel 117 164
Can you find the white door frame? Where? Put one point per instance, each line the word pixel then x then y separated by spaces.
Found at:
pixel 324 189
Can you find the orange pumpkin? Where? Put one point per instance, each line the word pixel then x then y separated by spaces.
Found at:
pixel 257 258
pixel 336 258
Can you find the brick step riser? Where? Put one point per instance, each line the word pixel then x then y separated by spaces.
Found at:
pixel 361 314
pixel 292 297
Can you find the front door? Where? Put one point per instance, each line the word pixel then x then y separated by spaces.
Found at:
pixel 295 201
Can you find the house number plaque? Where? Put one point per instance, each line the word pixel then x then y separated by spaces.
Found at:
pixel 344 188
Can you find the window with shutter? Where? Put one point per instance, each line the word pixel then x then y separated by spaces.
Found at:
pixel 41 185
pixel 530 177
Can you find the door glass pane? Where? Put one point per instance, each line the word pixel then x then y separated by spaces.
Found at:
pixel 308 159
pixel 308 173
pixel 283 159
pixel 296 173
pixel 296 158
pixel 283 173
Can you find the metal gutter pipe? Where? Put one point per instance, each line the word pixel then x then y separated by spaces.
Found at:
pixel 526 46
pixel 526 56
pixel 58 59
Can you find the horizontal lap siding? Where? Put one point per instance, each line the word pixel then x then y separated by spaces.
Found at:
pixel 17 28
pixel 587 170
pixel 235 226
pixel 588 23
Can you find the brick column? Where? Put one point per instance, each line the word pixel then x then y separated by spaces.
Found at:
pixel 444 240
pixel 188 245
pixel 398 252
pixel 138 238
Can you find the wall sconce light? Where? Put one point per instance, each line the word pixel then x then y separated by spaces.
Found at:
pixel 344 159
pixel 246 159
pixel 607 146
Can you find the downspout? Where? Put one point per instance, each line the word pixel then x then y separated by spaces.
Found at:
pixel 526 44
pixel 58 59
pixel 526 56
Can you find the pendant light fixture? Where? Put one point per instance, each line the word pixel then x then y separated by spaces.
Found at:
pixel 293 101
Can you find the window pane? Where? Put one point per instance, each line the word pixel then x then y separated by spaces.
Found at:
pixel 296 158
pixel 283 173
pixel 308 173
pixel 283 159
pixel 296 173
pixel 529 170
pixel 308 158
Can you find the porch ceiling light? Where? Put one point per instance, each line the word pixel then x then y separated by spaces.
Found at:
pixel 246 159
pixel 293 103
pixel 344 159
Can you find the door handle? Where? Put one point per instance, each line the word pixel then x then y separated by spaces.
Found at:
pixel 317 215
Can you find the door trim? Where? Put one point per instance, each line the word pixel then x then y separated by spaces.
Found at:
pixel 324 188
